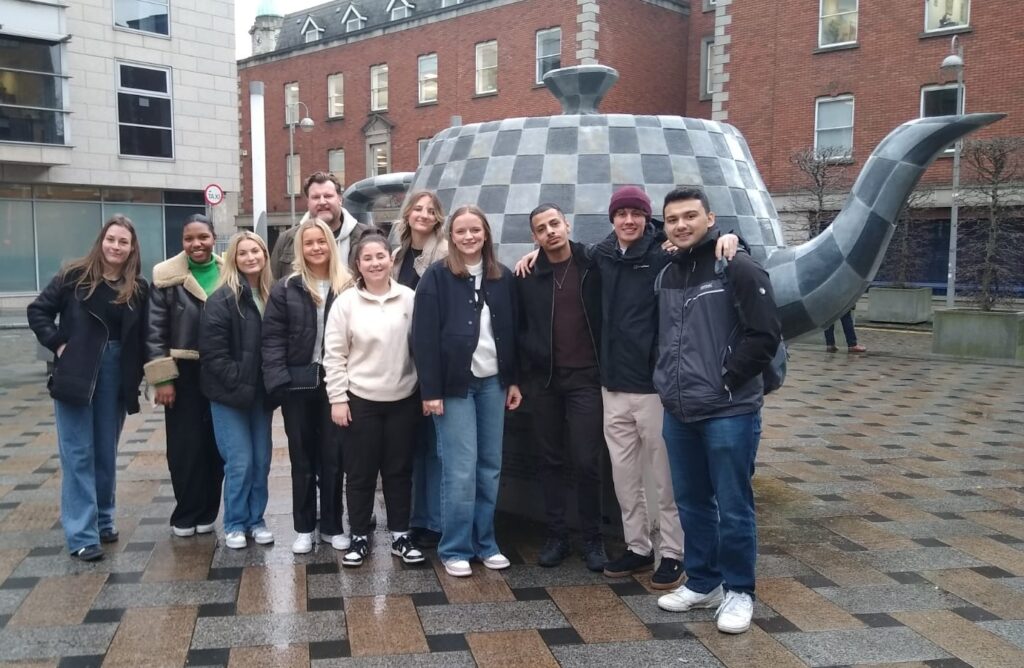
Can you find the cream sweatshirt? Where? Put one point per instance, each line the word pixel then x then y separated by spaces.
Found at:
pixel 366 345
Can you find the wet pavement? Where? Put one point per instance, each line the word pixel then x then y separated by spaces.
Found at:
pixel 890 492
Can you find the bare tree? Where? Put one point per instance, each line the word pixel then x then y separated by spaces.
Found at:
pixel 992 238
pixel 823 173
pixel 905 256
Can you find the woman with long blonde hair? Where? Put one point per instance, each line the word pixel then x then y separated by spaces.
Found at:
pixel 90 317
pixel 231 377
pixel 293 373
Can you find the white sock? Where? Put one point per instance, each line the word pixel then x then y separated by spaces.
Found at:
pixel 395 535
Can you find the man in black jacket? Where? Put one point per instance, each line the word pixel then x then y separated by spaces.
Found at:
pixel 559 330
pixel 718 331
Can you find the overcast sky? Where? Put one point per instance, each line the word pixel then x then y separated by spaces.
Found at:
pixel 245 12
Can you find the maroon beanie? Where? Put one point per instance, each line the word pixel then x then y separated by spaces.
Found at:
pixel 630 197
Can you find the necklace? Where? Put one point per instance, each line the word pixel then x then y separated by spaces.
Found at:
pixel 560 283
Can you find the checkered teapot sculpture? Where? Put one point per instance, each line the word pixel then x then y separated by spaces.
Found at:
pixel 579 158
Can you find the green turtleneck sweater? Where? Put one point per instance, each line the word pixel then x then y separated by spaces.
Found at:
pixel 207 274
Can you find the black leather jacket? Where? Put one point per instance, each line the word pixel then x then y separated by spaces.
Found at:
pixel 230 362
pixel 74 373
pixel 289 335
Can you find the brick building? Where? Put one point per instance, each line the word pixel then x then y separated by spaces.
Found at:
pixel 380 77
pixel 793 74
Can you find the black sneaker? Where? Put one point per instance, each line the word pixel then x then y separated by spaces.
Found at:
pixel 669 574
pixel 630 562
pixel 594 555
pixel 109 535
pixel 404 548
pixel 88 553
pixel 357 551
pixel 425 538
pixel 554 552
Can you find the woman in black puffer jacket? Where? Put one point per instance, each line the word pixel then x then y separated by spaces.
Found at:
pixel 231 377
pixel 97 368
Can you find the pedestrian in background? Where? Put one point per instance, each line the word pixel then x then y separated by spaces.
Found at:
pixel 464 347
pixel 420 241
pixel 181 286
pixel 371 384
pixel 293 372
pixel 231 377
pixel 97 368
pixel 848 332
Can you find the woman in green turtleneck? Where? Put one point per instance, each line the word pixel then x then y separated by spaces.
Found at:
pixel 180 288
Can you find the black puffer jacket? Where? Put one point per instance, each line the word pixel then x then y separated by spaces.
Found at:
pixel 74 373
pixel 231 370
pixel 289 334
pixel 175 309
pixel 536 294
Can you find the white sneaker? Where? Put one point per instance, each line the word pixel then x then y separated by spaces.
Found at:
pixel 682 599
pixel 341 542
pixel 303 543
pixel 204 528
pixel 262 535
pixel 458 568
pixel 735 612
pixel 235 540
pixel 497 562
pixel 183 532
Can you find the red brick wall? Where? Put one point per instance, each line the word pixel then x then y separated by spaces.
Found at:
pixel 776 76
pixel 702 24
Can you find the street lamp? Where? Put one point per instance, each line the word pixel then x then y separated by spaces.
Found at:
pixel 306 124
pixel 954 61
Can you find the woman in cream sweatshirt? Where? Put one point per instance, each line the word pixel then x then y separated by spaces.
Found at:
pixel 371 384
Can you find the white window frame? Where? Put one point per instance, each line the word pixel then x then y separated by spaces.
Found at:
pixel 333 153
pixel 928 4
pixel 480 46
pixel 821 24
pixel 375 88
pixel 293 174
pixel 113 20
pixel 540 58
pixel 311 35
pixel 61 79
pixel 353 24
pixel 169 95
pixel 422 78
pixel 291 107
pixel 853 115
pixel 710 5
pixel 399 9
pixel 707 64
pixel 371 163
pixel 963 104
pixel 450 3
pixel 336 95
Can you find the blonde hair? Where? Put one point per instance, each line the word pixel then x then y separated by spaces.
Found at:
pixel 337 274
pixel 231 277
pixel 405 230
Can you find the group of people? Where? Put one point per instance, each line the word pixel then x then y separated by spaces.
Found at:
pixel 398 358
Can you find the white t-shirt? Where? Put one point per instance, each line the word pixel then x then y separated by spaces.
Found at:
pixel 324 287
pixel 485 357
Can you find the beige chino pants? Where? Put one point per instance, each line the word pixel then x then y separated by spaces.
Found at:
pixel 632 429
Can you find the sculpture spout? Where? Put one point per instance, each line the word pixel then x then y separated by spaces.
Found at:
pixel 819 281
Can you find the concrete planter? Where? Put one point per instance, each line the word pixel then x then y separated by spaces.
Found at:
pixel 900 305
pixel 973 333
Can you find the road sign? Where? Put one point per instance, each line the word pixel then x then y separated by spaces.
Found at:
pixel 214 194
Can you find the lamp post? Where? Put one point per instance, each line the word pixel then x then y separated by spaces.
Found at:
pixel 307 126
pixel 954 61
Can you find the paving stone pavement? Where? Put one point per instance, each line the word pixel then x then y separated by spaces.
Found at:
pixel 890 493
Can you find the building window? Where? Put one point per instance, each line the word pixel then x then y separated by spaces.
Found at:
pixel 31 91
pixel 336 163
pixel 293 174
pixel 943 14
pixel 942 101
pixel 709 5
pixel 291 103
pixel 707 64
pixel 421 148
pixel 142 15
pixel 380 161
pixel 378 88
pixel 352 19
pixel 487 67
pixel 144 111
pixel 450 3
pixel 336 95
pixel 838 23
pixel 549 51
pixel 312 35
pixel 399 9
pixel 833 126
pixel 428 78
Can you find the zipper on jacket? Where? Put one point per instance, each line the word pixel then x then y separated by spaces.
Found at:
pixel 551 335
pixel 679 338
pixel 586 319
pixel 96 370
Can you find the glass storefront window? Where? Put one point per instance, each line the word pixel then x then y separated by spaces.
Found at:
pixel 65 231
pixel 17 247
pixel 149 224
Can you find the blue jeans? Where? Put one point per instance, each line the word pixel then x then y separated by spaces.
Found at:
pixel 243 439
pixel 426 479
pixel 470 441
pixel 712 463
pixel 848 331
pixel 87 439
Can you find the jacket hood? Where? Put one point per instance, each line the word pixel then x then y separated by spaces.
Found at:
pixel 348 223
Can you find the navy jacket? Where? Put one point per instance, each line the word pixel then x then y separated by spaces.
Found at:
pixel 74 373
pixel 714 340
pixel 446 328
pixel 230 337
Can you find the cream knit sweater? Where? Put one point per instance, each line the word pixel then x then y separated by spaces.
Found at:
pixel 366 345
